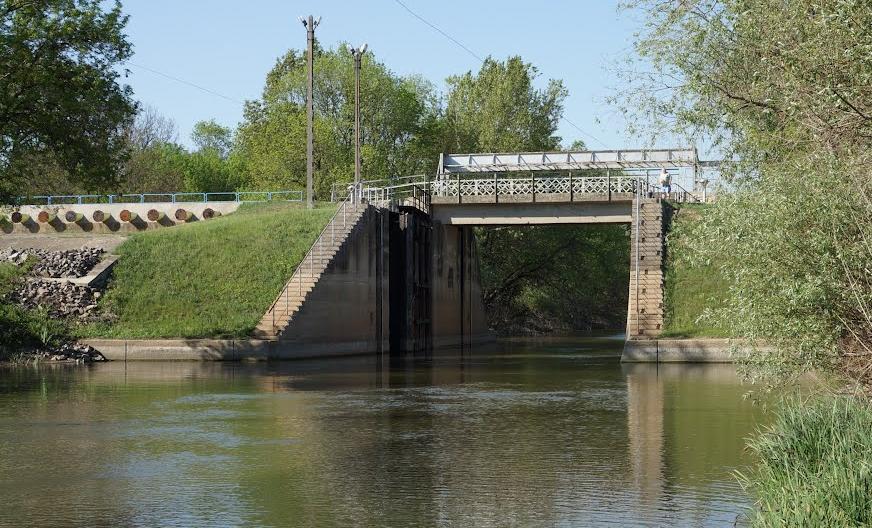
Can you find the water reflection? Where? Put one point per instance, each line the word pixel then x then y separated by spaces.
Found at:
pixel 553 433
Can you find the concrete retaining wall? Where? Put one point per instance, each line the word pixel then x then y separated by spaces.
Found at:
pixel 679 350
pixel 348 311
pixel 215 349
pixel 112 222
pixel 458 317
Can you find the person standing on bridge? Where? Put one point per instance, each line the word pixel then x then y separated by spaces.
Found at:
pixel 665 182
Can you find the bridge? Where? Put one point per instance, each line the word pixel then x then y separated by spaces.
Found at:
pixel 547 188
pixel 396 267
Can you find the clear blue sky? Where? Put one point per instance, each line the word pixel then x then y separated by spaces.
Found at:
pixel 229 46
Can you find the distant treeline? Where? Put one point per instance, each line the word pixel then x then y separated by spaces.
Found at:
pixel 91 136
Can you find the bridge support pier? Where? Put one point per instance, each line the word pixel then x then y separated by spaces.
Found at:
pixel 645 307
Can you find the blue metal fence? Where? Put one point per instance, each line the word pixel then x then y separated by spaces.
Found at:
pixel 245 196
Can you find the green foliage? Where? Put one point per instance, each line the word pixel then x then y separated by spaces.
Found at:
pixel 157 168
pixel 499 110
pixel 210 136
pixel 208 279
pixel 398 117
pixel 565 279
pixel 815 466
pixel 207 171
pixel 60 103
pixel 784 89
pixel 693 288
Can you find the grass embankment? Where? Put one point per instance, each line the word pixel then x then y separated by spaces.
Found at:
pixel 207 279
pixel 22 330
pixel 815 466
pixel 691 288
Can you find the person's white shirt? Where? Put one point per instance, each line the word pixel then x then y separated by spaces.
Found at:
pixel 665 178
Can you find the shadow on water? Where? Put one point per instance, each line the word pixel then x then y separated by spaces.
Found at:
pixel 524 433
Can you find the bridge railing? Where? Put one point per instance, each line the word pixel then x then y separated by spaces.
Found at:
pixel 402 195
pixel 241 196
pixel 454 185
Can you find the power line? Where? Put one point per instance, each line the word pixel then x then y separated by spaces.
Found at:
pixel 188 83
pixel 588 134
pixel 444 34
pixel 466 49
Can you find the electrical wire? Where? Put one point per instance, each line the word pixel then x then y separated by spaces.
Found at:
pixel 466 49
pixel 182 81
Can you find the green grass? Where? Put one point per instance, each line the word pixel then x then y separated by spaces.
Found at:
pixel 690 289
pixel 207 279
pixel 815 466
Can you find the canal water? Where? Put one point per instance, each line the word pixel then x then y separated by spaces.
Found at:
pixel 548 433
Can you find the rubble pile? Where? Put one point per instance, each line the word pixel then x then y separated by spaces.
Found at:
pixel 60 299
pixel 55 264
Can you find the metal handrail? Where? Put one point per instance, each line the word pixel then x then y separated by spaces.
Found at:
pixel 236 196
pixel 308 257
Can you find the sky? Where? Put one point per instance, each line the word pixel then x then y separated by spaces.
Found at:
pixel 226 48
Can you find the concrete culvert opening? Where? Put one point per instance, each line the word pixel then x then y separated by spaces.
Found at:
pixel 72 217
pixel 183 215
pixel 155 216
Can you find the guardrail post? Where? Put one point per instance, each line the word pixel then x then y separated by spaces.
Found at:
pixel 458 188
pixel 533 178
pixel 609 183
pixel 571 188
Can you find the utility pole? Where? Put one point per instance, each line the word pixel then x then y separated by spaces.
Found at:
pixel 358 55
pixel 310 24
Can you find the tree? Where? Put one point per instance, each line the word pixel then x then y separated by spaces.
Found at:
pixel 499 109
pixel 783 88
pixel 209 135
pixel 155 163
pixel 59 94
pixel 398 114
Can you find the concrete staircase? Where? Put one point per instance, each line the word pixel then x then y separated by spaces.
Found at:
pixel 316 262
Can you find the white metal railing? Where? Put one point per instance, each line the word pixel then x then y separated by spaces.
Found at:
pixel 405 194
pixel 453 186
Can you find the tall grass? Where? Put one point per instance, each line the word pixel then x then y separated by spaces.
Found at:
pixel 207 279
pixel 815 465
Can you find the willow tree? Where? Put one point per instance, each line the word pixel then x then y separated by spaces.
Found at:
pixel 784 89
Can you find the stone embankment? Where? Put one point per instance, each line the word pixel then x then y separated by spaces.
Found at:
pixel 43 288
pixel 60 299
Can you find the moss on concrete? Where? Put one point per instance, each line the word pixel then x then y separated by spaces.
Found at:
pixel 211 278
